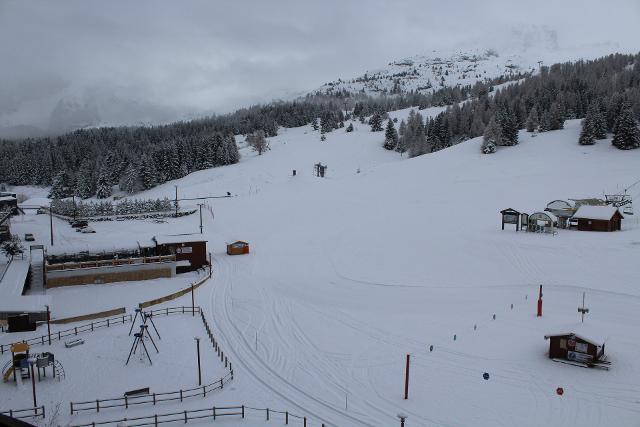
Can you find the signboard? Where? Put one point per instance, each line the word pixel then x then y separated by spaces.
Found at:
pixel 510 218
pixel 579 357
pixel 582 347
pixel 184 250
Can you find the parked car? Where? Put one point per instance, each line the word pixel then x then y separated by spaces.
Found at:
pixel 79 224
pixel 28 237
pixel 87 229
pixel 40 212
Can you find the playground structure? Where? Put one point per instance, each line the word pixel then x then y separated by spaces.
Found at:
pixel 139 337
pixel 22 360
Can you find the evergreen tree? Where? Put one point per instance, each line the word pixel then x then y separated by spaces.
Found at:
pixel 314 124
pixel 349 128
pixel 508 126
pixel 556 117
pixel 593 126
pixel 130 180
pixel 626 134
pixel 103 186
pixel 84 181
pixel 148 172
pixel 533 121
pixel 57 186
pixel 492 137
pixel 232 149
pixel 376 122
pixel 390 137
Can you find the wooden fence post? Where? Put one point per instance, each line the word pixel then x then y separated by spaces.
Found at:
pixel 154 399
pixel 243 411
pixel 185 417
pixel 267 414
pixel 305 421
pixel 286 417
pixel 71 405
pixel 180 395
pixel 97 405
pixel 214 412
pixel 155 420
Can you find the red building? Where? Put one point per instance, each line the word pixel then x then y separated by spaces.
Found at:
pixel 190 254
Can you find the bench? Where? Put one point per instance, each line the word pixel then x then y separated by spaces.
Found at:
pixel 136 392
pixel 74 342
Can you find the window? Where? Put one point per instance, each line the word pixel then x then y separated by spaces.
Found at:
pixel 582 347
pixel 563 343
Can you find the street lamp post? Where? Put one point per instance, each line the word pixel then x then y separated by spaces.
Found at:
pixel 198 351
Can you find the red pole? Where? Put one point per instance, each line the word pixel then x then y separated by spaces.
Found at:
pixel 540 302
pixel 406 379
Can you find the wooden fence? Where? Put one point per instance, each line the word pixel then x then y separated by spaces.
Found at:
pixel 20 414
pixel 59 335
pixel 91 316
pixel 174 295
pixel 212 413
pixel 153 398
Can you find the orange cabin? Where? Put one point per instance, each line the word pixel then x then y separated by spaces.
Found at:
pixel 237 248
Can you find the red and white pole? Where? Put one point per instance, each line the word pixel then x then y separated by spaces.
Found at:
pixel 540 302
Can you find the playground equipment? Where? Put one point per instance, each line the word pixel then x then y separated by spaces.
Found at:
pixel 144 316
pixel 21 360
pixel 139 339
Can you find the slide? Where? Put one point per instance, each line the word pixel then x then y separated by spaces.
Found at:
pixel 8 374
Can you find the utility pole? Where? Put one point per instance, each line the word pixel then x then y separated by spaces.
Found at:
pixel 176 202
pixel 48 323
pixel 33 386
pixel 193 303
pixel 198 351
pixel 200 206
pixel 406 379
pixel 51 221
pixel 583 310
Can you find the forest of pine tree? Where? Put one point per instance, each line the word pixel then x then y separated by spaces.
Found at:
pixel 91 162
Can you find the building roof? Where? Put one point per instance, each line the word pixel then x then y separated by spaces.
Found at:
pixel 165 240
pixel 596 212
pixel 584 331
pixel 7 199
pixel 13 281
pixel 509 210
pixel 548 214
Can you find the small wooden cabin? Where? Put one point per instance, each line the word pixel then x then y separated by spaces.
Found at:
pixel 190 254
pixel 598 218
pixel 237 248
pixel 575 347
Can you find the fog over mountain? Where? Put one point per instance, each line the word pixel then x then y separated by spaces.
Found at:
pixel 85 63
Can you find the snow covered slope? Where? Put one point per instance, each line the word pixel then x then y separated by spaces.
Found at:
pixel 350 273
pixel 439 69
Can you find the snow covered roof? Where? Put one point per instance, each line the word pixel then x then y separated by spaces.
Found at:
pixel 584 331
pixel 7 198
pixel 542 214
pixel 595 212
pixel 163 240
pixel 12 283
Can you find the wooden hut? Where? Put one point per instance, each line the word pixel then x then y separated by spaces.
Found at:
pixel 237 248
pixel 575 347
pixel 598 218
pixel 190 254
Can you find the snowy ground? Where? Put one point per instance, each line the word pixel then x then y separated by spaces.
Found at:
pixel 350 273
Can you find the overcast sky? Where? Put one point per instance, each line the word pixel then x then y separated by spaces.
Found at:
pixel 147 61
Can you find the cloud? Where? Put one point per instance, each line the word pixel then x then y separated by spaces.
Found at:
pixel 152 61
